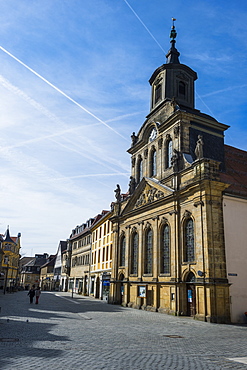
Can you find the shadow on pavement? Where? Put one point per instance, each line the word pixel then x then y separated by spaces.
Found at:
pixel 26 328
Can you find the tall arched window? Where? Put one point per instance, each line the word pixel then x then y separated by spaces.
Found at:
pixel 189 255
pixel 169 148
pixel 139 170
pixel 134 254
pixel 148 260
pixel 122 251
pixel 165 264
pixel 153 164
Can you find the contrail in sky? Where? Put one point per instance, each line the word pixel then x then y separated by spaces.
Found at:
pixel 150 33
pixel 61 92
pixel 95 175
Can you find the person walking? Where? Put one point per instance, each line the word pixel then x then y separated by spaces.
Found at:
pixel 31 294
pixel 37 294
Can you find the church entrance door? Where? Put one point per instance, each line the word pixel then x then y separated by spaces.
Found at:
pixel 191 294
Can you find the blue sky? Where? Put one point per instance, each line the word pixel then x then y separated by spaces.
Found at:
pixel 74 86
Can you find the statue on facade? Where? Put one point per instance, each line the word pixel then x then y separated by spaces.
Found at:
pixel 174 160
pixel 174 104
pixel 118 193
pixel 133 138
pixel 132 185
pixel 199 147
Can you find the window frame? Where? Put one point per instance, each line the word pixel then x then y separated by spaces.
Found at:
pixel 163 270
pixel 134 253
pixel 189 241
pixel 168 153
pixel 122 251
pixel 148 252
pixel 153 163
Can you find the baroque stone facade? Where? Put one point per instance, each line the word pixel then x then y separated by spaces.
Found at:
pixel 168 234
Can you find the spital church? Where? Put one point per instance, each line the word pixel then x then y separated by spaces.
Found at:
pixel 178 243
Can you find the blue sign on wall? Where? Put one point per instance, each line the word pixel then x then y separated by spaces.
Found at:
pixel 189 295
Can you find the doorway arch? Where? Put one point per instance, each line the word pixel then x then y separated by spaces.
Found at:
pixel 191 294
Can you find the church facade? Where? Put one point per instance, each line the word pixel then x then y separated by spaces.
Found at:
pixel 168 233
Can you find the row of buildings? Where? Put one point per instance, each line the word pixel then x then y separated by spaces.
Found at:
pixel 82 264
pixel 176 241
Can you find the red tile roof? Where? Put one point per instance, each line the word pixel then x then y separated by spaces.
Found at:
pixel 236 171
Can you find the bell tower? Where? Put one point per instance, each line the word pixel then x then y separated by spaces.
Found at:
pixel 172 81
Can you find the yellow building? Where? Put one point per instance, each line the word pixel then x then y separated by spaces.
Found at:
pixel 168 234
pixel 101 258
pixel 10 261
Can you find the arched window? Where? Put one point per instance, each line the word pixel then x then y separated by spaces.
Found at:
pixel 153 164
pixel 189 255
pixel 158 93
pixel 181 88
pixel 148 260
pixel 165 250
pixel 169 148
pixel 122 251
pixel 139 170
pixel 134 254
pixel 191 277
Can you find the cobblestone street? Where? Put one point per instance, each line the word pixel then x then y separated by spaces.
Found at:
pixel 84 333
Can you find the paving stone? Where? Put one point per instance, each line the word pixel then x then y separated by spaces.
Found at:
pixel 84 333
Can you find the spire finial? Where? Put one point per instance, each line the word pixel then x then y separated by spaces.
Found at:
pixel 173 33
pixel 173 54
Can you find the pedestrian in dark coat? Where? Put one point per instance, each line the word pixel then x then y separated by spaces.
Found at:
pixel 31 294
pixel 37 294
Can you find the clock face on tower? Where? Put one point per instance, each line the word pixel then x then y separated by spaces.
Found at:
pixel 153 134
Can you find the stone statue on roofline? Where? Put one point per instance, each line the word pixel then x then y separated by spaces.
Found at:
pixel 174 160
pixel 199 147
pixel 118 193
pixel 133 138
pixel 132 185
